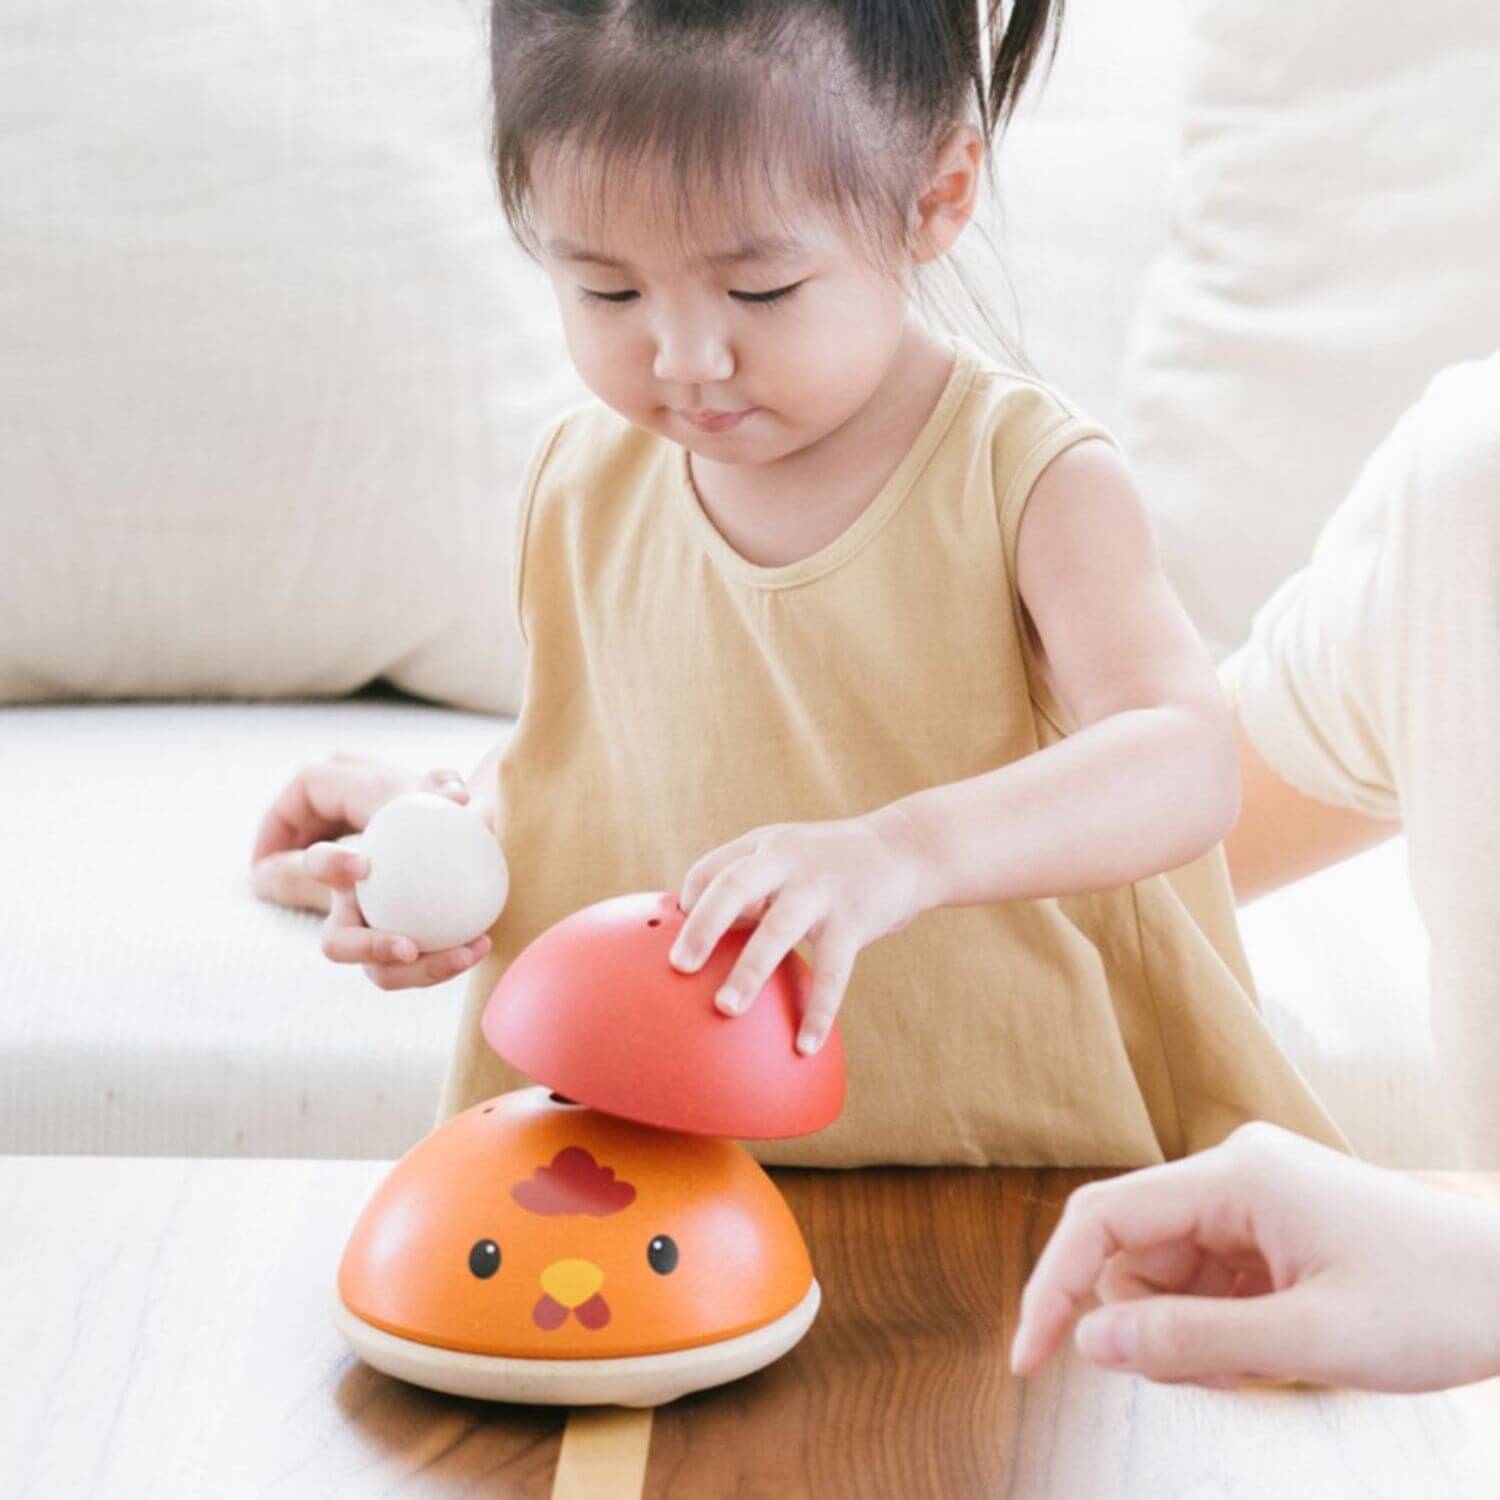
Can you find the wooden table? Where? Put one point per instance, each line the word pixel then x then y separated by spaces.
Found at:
pixel 165 1332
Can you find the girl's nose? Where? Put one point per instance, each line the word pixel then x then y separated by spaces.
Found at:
pixel 693 360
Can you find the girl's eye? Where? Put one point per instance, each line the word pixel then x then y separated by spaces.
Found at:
pixel 753 299
pixel 765 299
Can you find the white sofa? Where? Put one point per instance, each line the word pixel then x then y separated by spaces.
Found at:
pixel 153 1006
pixel 150 1005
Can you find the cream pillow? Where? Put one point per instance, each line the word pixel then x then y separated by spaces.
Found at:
pixel 1335 240
pixel 1084 172
pixel 271 367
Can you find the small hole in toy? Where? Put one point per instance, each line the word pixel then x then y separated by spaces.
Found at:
pixel 486 1109
pixel 654 922
pixel 562 1098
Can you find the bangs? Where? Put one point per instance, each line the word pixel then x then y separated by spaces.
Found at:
pixel 715 120
pixel 709 143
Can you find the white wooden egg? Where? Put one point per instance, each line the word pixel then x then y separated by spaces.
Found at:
pixel 437 873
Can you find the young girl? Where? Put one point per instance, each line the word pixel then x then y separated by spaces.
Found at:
pixel 838 627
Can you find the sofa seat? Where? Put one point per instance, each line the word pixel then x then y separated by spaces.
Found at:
pixel 150 1005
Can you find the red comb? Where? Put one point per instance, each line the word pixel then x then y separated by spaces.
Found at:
pixel 574 1184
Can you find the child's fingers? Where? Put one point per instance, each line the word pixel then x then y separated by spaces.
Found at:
pixel 340 867
pixel 391 960
pixel 314 804
pixel 747 881
pixel 833 962
pixel 784 925
pixel 347 940
pixel 446 782
pixel 289 823
pixel 335 865
pixel 431 968
pixel 698 877
pixel 282 880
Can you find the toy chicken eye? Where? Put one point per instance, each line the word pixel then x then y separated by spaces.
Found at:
pixel 484 1258
pixel 662 1253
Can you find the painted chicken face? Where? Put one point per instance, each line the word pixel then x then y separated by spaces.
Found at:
pixel 531 1227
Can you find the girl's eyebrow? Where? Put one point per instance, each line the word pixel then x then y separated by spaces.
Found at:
pixel 766 247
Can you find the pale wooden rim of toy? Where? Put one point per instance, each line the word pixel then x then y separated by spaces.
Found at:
pixel 643 1380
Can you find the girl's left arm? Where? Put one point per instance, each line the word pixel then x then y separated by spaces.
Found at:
pixel 1148 780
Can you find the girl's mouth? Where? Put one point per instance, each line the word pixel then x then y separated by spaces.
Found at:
pixel 716 421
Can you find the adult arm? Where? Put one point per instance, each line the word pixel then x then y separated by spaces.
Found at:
pixel 1282 834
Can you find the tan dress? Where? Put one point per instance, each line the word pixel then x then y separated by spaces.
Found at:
pixel 678 695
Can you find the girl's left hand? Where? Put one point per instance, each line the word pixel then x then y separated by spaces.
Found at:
pixel 844 883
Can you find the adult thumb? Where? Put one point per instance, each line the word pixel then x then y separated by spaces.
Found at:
pixel 1190 1338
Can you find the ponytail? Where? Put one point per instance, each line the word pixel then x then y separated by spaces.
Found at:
pixel 1007 44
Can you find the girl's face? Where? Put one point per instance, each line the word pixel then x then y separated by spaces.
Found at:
pixel 768 337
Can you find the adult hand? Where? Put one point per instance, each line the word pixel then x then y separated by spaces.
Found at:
pixel 1272 1257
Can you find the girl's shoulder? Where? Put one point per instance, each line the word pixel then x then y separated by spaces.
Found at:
pixel 1020 418
pixel 1005 397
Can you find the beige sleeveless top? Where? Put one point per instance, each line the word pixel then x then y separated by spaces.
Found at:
pixel 678 695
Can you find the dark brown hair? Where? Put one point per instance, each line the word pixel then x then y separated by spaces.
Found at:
pixel 845 100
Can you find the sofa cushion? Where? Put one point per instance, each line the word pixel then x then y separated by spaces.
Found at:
pixel 151 1004
pixel 271 367
pixel 1085 173
pixel 1334 238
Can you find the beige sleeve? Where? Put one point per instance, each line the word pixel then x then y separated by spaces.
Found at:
pixel 1368 670
pixel 1319 683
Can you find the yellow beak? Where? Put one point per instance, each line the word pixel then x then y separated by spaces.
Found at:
pixel 572 1282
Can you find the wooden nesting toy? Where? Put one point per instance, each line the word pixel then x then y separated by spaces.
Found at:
pixel 602 1237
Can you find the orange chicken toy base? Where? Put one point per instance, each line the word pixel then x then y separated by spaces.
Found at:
pixel 601 1245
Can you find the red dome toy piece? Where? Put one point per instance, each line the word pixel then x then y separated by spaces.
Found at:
pixel 593 1008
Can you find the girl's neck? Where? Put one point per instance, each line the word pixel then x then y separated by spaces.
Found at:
pixel 778 513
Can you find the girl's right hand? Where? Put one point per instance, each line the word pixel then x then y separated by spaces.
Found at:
pixel 324 800
pixel 391 960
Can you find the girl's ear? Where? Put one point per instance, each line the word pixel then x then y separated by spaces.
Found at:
pixel 948 202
